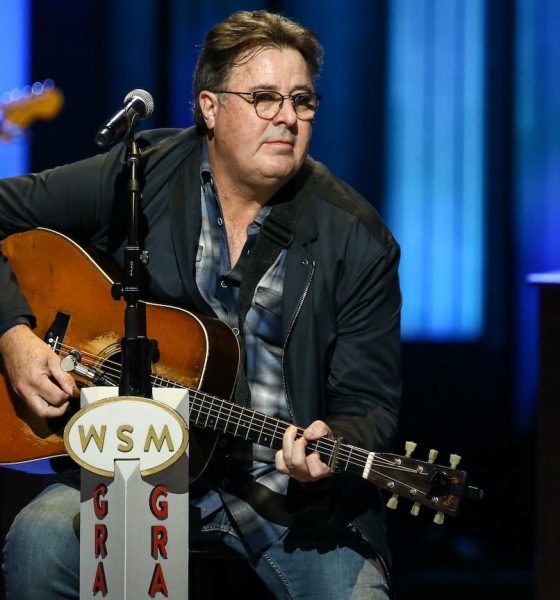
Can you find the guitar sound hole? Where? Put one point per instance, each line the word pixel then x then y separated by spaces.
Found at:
pixel 111 366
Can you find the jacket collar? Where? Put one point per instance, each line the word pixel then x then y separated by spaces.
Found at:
pixel 184 192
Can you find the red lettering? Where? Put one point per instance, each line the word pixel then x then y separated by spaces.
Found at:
pixel 101 507
pixel 100 537
pixel 160 511
pixel 159 541
pixel 158 584
pixel 100 583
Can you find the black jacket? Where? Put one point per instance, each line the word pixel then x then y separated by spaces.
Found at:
pixel 341 305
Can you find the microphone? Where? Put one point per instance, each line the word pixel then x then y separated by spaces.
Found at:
pixel 138 105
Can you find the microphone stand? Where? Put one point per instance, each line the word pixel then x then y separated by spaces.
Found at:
pixel 137 351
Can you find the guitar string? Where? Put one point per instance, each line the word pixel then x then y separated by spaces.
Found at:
pixel 323 445
pixel 264 428
pixel 377 461
pixel 384 476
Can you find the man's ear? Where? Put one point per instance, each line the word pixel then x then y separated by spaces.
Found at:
pixel 208 102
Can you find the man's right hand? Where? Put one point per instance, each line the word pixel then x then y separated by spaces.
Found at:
pixel 34 372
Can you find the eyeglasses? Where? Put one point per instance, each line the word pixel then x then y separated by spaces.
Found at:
pixel 268 103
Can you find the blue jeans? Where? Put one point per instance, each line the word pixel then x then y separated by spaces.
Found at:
pixel 41 557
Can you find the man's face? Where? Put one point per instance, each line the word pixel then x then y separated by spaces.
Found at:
pixel 254 151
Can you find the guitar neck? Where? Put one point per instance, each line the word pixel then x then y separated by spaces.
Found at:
pixel 426 484
pixel 210 412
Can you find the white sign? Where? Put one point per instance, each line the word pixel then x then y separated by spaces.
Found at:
pixel 126 427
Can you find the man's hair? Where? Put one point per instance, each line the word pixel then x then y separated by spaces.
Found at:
pixel 236 36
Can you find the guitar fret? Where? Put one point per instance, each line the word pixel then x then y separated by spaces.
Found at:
pixel 227 420
pixel 208 415
pixel 249 426
pixel 238 422
pixel 193 407
pixel 333 459
pixel 245 432
pixel 213 420
pixel 218 416
pixel 348 458
pixel 260 432
pixel 272 439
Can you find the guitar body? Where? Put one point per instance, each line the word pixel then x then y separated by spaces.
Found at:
pixel 59 279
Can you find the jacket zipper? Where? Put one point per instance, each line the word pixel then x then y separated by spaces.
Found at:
pixel 385 569
pixel 288 402
pixel 289 333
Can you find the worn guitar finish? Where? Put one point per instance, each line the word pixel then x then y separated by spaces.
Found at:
pixel 59 278
pixel 70 296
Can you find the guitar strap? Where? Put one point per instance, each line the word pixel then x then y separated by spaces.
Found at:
pixel 276 234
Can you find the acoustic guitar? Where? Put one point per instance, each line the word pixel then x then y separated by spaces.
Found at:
pixel 70 294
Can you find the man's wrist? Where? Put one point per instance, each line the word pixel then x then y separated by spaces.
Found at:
pixel 6 325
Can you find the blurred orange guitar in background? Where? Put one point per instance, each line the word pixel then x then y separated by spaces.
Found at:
pixel 20 108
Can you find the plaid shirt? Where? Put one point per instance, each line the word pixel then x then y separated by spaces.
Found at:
pixel 219 285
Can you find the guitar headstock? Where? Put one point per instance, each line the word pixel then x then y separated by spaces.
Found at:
pixel 425 483
pixel 20 108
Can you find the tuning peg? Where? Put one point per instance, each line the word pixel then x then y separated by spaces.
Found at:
pixel 439 517
pixel 393 501
pixel 454 460
pixel 409 448
pixel 415 509
pixel 432 456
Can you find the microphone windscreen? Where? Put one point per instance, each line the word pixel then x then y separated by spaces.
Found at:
pixel 146 98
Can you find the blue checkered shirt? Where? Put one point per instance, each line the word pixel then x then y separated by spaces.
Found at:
pixel 218 283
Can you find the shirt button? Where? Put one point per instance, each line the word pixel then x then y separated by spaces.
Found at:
pixel 223 283
pixel 220 221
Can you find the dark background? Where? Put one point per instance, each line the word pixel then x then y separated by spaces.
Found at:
pixel 459 396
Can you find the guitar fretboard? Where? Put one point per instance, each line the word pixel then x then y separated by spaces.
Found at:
pixel 211 412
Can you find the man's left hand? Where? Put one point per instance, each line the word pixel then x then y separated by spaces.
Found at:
pixel 293 458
